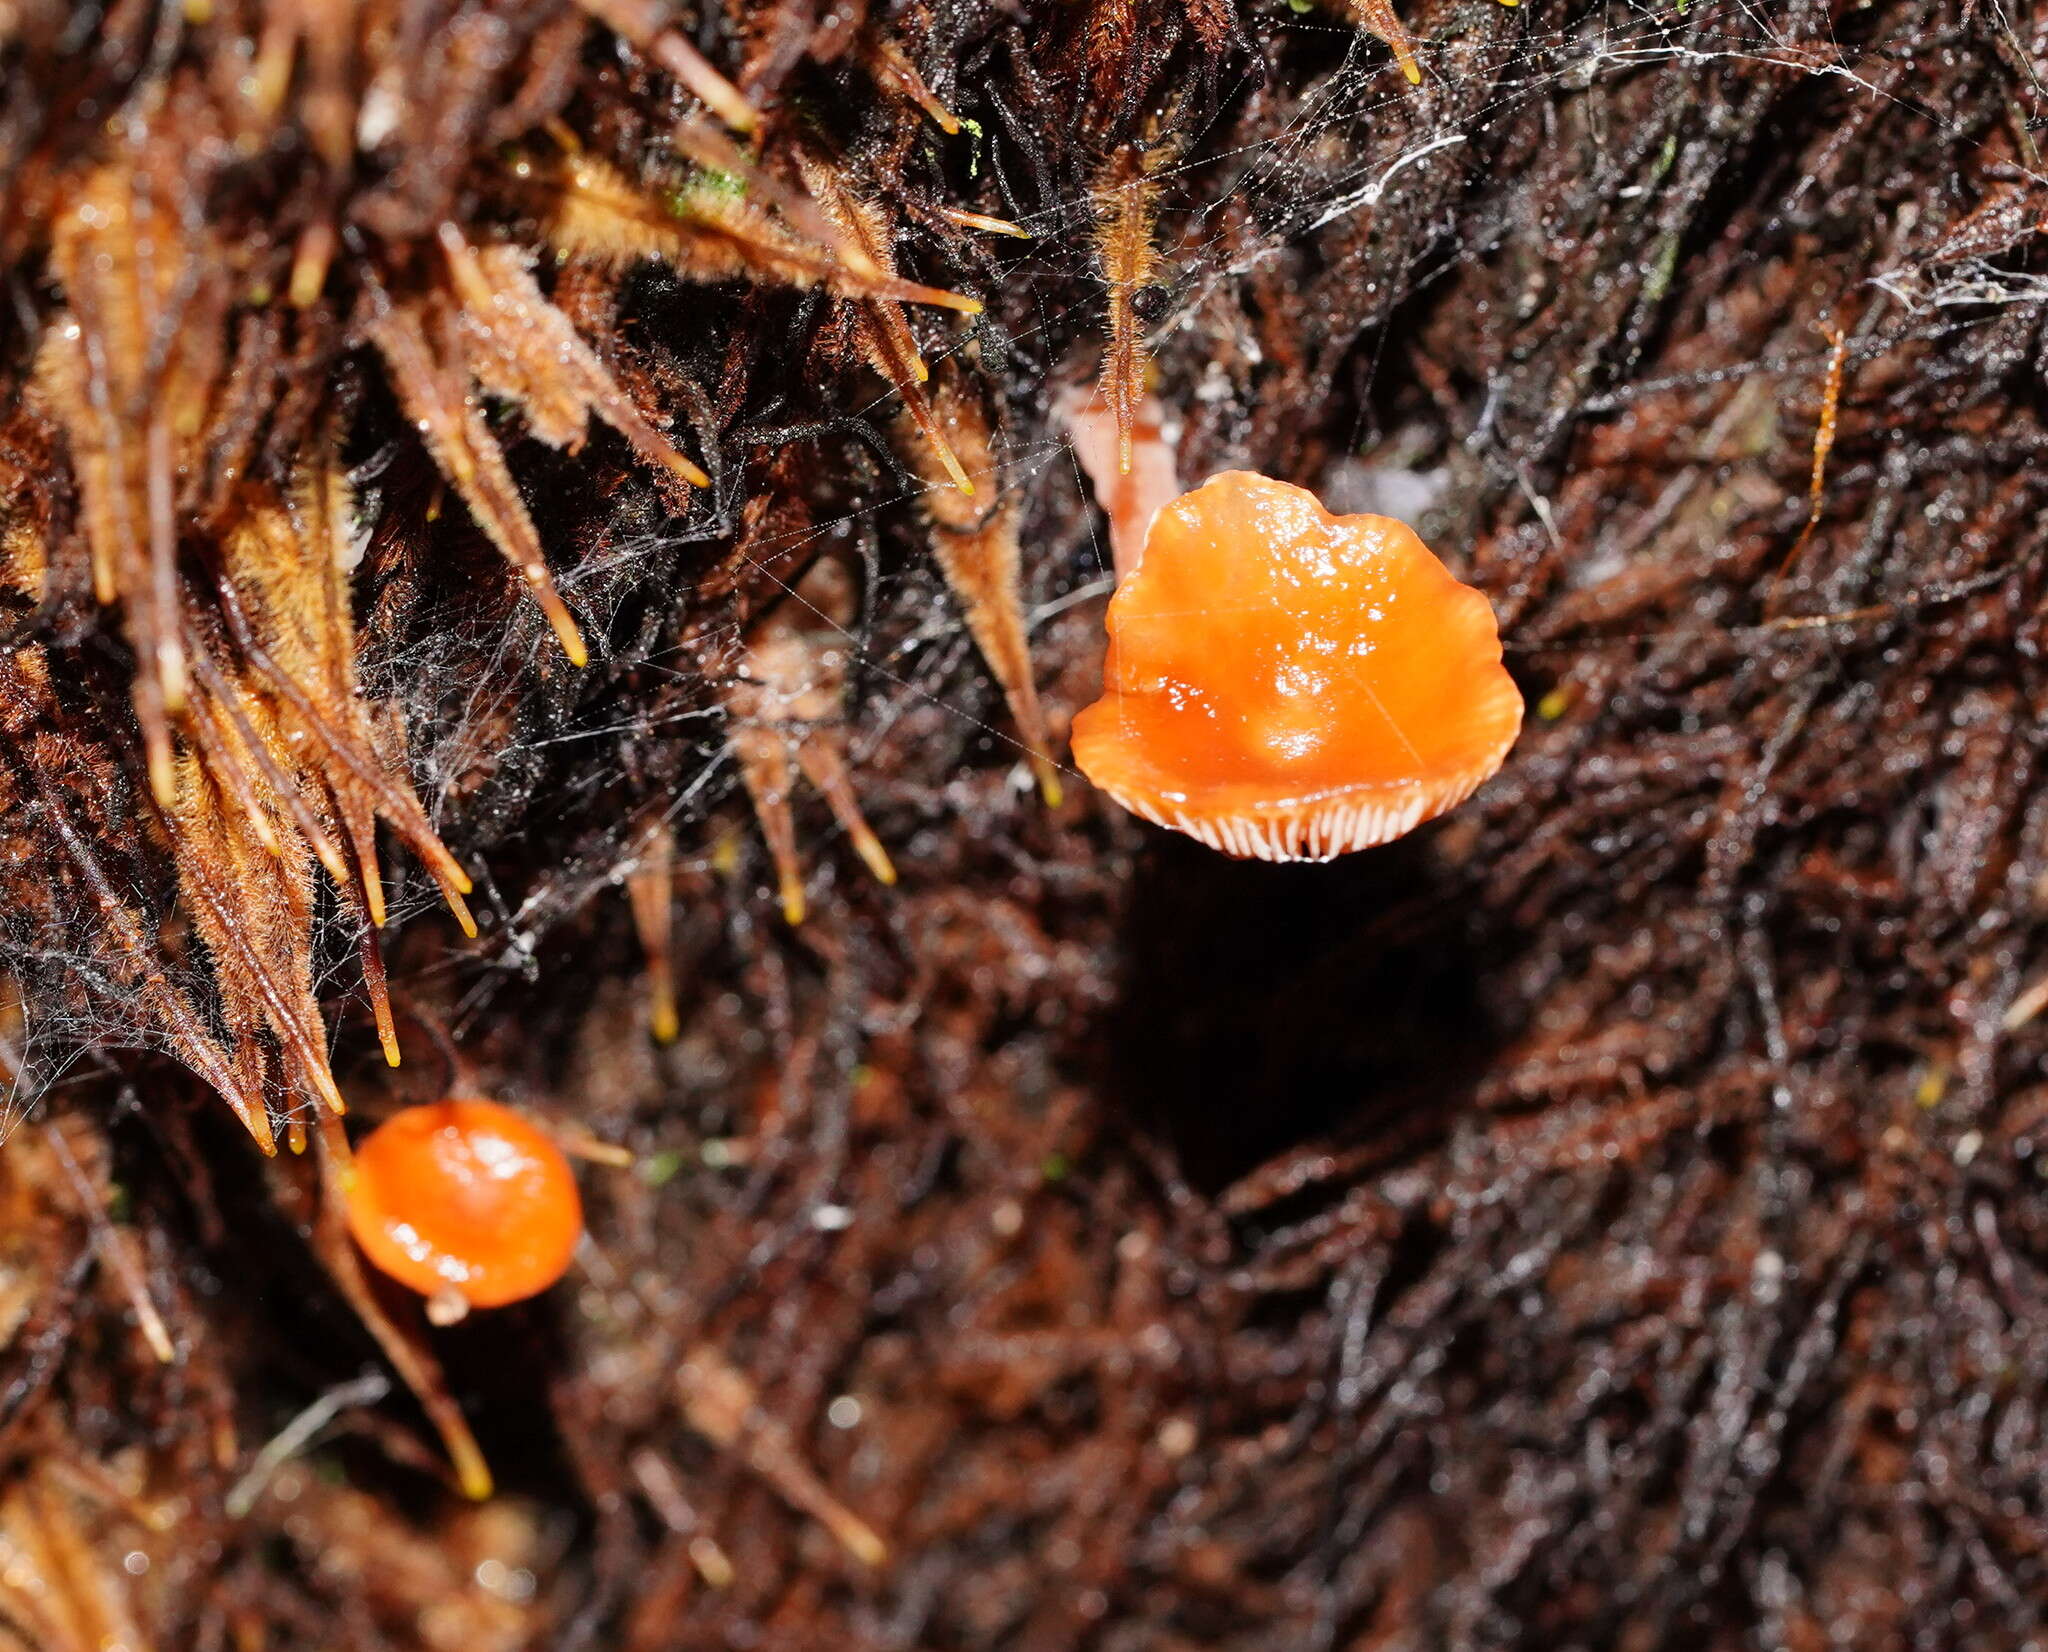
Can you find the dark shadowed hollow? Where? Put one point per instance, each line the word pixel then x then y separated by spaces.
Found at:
pixel 1254 997
pixel 1612 1217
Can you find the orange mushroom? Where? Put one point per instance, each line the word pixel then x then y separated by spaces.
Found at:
pixel 466 1203
pixel 1286 684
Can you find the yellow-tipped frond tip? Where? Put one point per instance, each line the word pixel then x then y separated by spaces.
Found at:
pixel 689 472
pixel 170 674
pixel 955 472
pixel 663 1025
pixel 1413 70
pixel 565 630
pixel 876 858
pixel 460 907
pixel 793 908
pixel 391 1056
pixel 695 71
pixel 1049 786
pixel 983 221
pixel 163 779
pixel 473 1474
pixel 859 1541
pixel 309 267
pixel 882 285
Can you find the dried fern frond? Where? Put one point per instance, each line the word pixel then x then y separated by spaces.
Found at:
pixel 883 329
pixel 785 702
pixel 127 371
pixel 707 229
pixel 975 543
pixel 1126 210
pixel 526 350
pixel 423 348
pixel 70 806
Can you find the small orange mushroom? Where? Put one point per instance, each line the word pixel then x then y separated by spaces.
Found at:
pixel 1285 684
pixel 466 1203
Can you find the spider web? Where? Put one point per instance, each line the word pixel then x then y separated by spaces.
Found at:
pixel 1358 180
pixel 1352 144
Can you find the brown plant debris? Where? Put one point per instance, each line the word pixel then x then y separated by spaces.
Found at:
pixel 785 700
pixel 974 542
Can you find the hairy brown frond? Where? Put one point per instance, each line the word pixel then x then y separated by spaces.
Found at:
pixel 430 374
pixel 279 764
pixel 284 596
pixel 708 230
pixel 985 222
pixel 523 348
pixel 251 905
pixel 75 800
pixel 976 547
pixel 894 72
pixel 732 169
pixel 127 371
pixel 272 779
pixel 299 742
pixel 1378 19
pixel 884 332
pixel 785 701
pixel 1215 25
pixel 1126 209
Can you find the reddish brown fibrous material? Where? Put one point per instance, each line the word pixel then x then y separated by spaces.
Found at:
pixel 1609 1218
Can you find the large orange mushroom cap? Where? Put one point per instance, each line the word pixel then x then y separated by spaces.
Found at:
pixel 464 1197
pixel 1286 684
